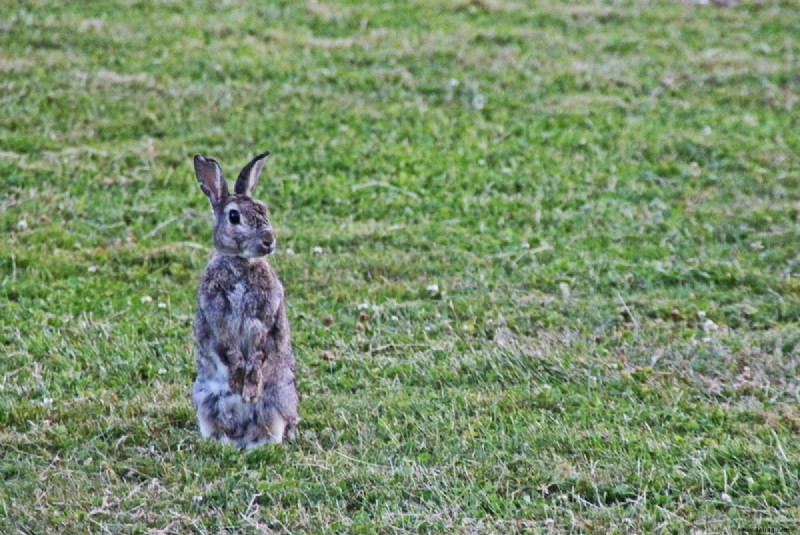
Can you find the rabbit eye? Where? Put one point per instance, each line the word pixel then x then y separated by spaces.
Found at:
pixel 234 218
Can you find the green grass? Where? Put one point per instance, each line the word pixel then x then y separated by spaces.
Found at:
pixel 560 252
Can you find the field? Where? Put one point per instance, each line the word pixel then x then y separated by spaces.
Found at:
pixel 542 262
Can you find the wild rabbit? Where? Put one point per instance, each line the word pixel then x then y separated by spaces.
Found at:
pixel 245 391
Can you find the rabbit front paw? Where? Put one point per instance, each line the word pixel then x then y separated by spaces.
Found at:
pixel 236 370
pixel 236 377
pixel 252 383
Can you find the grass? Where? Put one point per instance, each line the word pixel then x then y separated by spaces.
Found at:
pixel 559 263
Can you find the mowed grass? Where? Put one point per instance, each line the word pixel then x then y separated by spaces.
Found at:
pixel 557 288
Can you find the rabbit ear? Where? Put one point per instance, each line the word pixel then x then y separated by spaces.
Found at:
pixel 209 174
pixel 249 175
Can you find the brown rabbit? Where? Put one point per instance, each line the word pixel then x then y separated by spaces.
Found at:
pixel 246 390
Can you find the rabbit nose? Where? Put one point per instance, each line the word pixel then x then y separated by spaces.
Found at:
pixel 268 239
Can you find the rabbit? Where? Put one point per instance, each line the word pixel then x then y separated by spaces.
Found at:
pixel 245 392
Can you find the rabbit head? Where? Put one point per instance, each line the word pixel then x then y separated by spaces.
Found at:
pixel 241 223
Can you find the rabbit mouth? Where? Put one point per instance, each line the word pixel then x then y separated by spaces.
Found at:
pixel 261 250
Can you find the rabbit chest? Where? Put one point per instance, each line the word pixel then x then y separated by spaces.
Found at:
pixel 251 309
pixel 253 300
pixel 244 297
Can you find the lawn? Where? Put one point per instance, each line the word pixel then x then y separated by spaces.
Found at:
pixel 542 261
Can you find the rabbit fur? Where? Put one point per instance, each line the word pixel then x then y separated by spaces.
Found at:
pixel 246 391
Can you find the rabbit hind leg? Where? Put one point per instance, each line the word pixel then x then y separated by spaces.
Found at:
pixel 270 430
pixel 277 428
